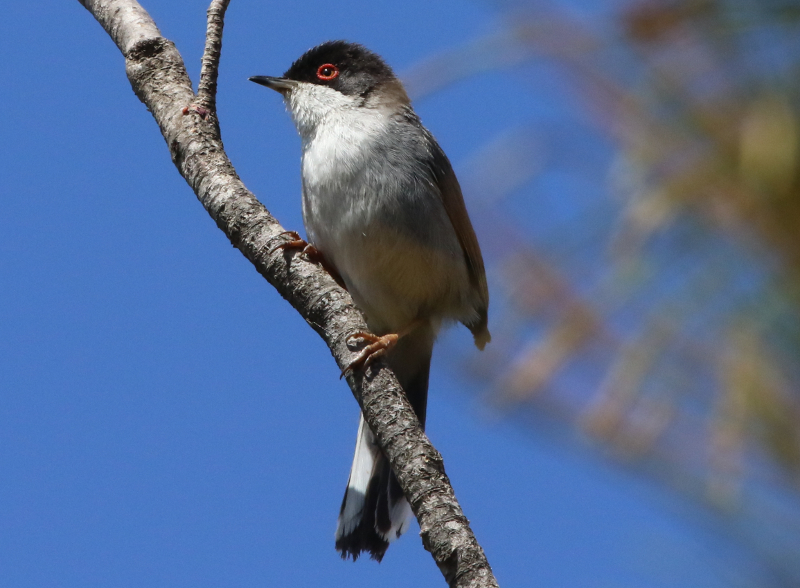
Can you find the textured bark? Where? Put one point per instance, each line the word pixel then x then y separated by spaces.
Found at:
pixel 189 125
pixel 207 86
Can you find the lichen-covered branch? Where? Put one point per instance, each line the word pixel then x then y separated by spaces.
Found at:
pixel 188 123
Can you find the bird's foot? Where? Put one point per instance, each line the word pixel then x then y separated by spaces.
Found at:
pixel 378 347
pixel 308 251
pixel 297 242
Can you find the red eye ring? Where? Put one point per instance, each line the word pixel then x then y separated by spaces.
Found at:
pixel 327 71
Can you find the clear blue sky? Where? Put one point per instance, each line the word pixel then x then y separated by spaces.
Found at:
pixel 166 419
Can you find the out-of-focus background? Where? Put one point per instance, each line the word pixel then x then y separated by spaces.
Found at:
pixel 632 169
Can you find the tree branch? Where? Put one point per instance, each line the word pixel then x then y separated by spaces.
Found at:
pixel 207 86
pixel 158 77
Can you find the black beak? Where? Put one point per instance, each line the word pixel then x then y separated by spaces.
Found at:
pixel 281 85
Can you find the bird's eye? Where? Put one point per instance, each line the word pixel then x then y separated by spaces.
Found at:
pixel 327 71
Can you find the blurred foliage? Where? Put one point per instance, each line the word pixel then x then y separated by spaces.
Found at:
pixel 658 309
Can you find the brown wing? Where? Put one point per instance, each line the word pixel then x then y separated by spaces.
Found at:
pixel 453 202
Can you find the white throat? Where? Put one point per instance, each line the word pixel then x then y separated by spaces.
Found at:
pixel 336 130
pixel 312 106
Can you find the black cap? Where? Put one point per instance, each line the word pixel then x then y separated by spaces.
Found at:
pixel 356 70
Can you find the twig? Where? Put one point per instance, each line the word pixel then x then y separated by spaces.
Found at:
pixel 158 77
pixel 207 86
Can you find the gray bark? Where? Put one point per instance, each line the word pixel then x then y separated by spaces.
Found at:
pixel 189 125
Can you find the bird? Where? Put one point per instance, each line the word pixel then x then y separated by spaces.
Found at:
pixel 384 213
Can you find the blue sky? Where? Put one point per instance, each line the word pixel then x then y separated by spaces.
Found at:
pixel 166 419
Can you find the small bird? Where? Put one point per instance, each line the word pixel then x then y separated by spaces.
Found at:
pixel 383 211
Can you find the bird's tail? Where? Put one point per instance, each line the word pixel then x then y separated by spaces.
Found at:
pixel 374 511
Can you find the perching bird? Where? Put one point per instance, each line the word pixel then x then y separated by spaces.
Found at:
pixel 383 209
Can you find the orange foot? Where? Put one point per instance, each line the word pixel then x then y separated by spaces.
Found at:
pixel 378 347
pixel 297 242
pixel 310 252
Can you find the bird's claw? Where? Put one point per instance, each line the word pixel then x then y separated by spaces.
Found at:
pixel 297 242
pixel 378 347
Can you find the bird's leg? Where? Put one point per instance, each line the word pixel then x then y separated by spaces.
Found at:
pixel 310 252
pixel 297 242
pixel 379 345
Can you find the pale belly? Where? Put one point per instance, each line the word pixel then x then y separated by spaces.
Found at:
pixel 396 273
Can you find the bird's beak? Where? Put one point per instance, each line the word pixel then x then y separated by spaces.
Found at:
pixel 281 85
